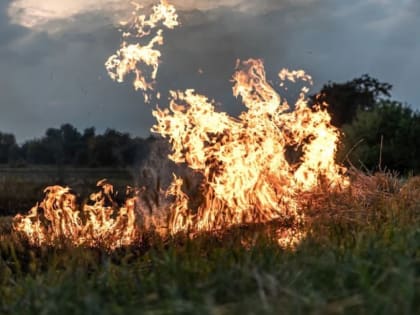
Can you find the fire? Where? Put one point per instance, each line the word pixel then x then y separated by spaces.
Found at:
pixel 130 57
pixel 256 168
pixel 248 177
pixel 100 222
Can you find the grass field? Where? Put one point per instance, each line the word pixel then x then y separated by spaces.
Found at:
pixel 361 255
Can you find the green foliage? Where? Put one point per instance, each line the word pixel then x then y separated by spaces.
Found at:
pixel 354 272
pixel 67 146
pixel 344 100
pixel 8 148
pixel 385 137
pixel 379 133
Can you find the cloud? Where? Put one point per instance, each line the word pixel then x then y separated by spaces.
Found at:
pixel 54 16
pixel 55 64
pixel 58 78
pixel 39 15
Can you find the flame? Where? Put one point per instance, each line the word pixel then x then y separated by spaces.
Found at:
pixel 98 223
pixel 248 177
pixel 255 168
pixel 130 57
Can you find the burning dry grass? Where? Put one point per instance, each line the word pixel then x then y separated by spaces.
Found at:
pixel 22 188
pixel 370 201
pixel 247 177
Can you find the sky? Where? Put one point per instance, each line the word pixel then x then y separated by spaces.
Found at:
pixel 52 54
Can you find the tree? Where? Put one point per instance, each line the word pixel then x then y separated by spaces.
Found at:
pixel 53 144
pixel 343 100
pixel 111 148
pixel 7 145
pixel 37 152
pixel 386 137
pixel 72 143
pixel 84 154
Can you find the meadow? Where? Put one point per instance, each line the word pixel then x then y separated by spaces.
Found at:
pixel 361 255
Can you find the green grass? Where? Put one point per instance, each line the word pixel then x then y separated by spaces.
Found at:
pixel 361 256
pixel 365 274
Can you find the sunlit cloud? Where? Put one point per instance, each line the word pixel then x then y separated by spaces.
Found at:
pixel 40 15
pixel 56 15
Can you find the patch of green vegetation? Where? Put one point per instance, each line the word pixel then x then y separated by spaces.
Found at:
pixel 363 273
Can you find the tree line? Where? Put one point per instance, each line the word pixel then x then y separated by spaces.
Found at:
pixel 67 146
pixel 378 133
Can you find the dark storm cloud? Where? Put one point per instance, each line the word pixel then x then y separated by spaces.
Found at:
pixel 8 32
pixel 49 78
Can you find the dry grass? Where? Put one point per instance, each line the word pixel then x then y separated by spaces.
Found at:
pixel 370 201
pixel 367 196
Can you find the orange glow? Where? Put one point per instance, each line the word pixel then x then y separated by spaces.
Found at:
pixel 256 168
pixel 130 57
pixel 248 177
pixel 98 223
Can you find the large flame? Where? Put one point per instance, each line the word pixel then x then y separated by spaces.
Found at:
pixel 248 176
pixel 255 168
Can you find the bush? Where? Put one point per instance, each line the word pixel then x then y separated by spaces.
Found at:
pixel 385 137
